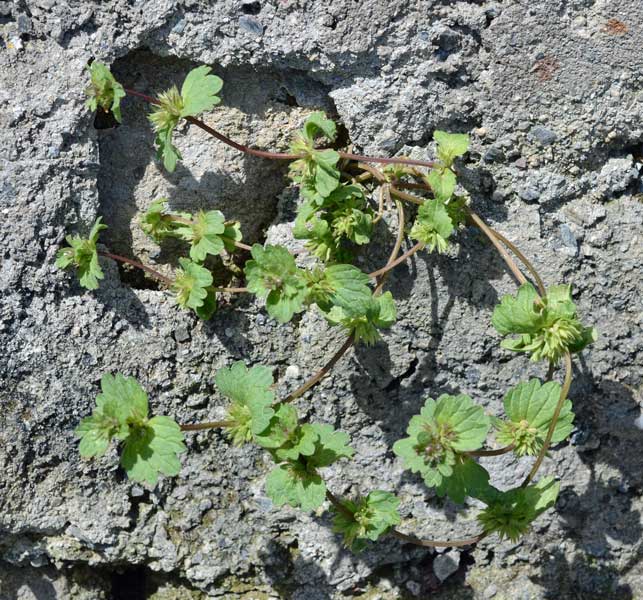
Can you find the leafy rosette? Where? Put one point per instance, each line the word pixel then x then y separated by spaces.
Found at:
pixel 273 275
pixel 546 327
pixel 150 446
pixel 437 438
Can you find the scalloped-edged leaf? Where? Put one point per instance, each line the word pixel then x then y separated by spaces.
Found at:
pixel 273 275
pixel 529 407
pixel 372 516
pixel 444 428
pixel 291 484
pixel 191 284
pixel 450 145
pixel 152 450
pixel 199 91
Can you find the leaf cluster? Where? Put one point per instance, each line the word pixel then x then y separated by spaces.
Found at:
pixel 82 255
pixel 437 443
pixel 198 94
pixel 150 446
pixel 529 408
pixel 366 518
pixel 510 513
pixel 546 327
pixel 334 214
pixel 438 218
pixel 104 91
pixel 298 450
pixel 207 232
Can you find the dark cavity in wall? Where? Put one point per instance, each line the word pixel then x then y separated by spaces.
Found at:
pixel 259 107
pixel 129 584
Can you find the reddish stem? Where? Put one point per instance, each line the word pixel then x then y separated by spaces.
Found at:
pixel 123 259
pixel 282 155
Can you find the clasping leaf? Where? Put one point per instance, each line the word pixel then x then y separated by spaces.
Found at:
pixel 273 275
pixel 433 225
pixel 193 288
pixel 547 327
pixel 530 407
pixel 363 318
pixel 372 516
pixel 249 390
pixel 445 428
pixel 150 446
pixel 197 95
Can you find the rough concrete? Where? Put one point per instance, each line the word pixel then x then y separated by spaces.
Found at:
pixel 549 91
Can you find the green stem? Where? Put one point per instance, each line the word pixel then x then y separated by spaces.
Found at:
pixel 550 432
pixel 123 259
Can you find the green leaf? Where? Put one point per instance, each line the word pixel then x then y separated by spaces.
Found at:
pixel 444 428
pixel 300 443
pixel 530 407
pixel 433 226
pixel 511 513
pixel 372 516
pixel 330 446
pixel 293 484
pixel 231 234
pixel 249 390
pixel 468 479
pixel 442 183
pixel 364 318
pixel 352 224
pixel 326 172
pixel 199 91
pixel 153 449
pixel 104 92
pixel 167 151
pixel 340 284
pixel 518 314
pixel 281 429
pixel 157 222
pixel 192 284
pixel 547 327
pixel 82 254
pixel 209 306
pixel 450 145
pixel 274 275
pixel 204 234
pixel 318 123
pixel 121 404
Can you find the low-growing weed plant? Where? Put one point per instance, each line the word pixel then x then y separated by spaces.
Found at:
pixel 344 195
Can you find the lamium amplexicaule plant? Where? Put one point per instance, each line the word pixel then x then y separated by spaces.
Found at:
pixel 344 196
